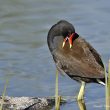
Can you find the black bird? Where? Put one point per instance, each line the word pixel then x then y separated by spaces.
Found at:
pixel 74 56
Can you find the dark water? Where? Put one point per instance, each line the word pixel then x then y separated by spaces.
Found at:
pixel 24 54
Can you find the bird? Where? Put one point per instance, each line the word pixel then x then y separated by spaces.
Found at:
pixel 75 56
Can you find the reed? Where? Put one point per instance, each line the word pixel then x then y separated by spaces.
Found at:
pixel 57 97
pixel 3 94
pixel 107 78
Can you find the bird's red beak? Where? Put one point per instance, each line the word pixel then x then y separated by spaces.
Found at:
pixel 70 39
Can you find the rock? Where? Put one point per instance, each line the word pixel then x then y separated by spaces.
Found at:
pixel 27 103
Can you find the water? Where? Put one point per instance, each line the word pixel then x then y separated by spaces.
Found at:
pixel 24 54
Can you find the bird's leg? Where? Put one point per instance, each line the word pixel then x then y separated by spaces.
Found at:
pixel 81 91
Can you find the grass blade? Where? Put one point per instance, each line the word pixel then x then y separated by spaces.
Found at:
pixel 57 97
pixel 108 86
pixel 107 77
pixel 3 94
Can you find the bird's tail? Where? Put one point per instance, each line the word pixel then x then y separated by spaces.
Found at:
pixel 101 81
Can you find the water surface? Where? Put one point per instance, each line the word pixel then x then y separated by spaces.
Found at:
pixel 24 54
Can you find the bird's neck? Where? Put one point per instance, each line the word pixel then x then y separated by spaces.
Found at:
pixel 55 42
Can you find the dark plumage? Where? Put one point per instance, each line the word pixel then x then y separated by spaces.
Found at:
pixel 81 62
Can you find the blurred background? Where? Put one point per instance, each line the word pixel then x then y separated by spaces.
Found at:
pixel 24 55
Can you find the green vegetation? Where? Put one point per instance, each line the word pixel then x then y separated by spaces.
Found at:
pixel 107 77
pixel 57 97
pixel 3 94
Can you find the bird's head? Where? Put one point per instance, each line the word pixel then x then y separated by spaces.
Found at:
pixel 62 30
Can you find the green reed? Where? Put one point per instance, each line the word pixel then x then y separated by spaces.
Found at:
pixel 107 80
pixel 3 94
pixel 57 97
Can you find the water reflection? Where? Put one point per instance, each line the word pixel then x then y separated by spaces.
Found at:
pixel 81 105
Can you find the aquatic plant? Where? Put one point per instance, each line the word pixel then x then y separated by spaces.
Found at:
pixel 107 87
pixel 57 97
pixel 4 92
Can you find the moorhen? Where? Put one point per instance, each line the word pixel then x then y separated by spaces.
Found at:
pixel 74 56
